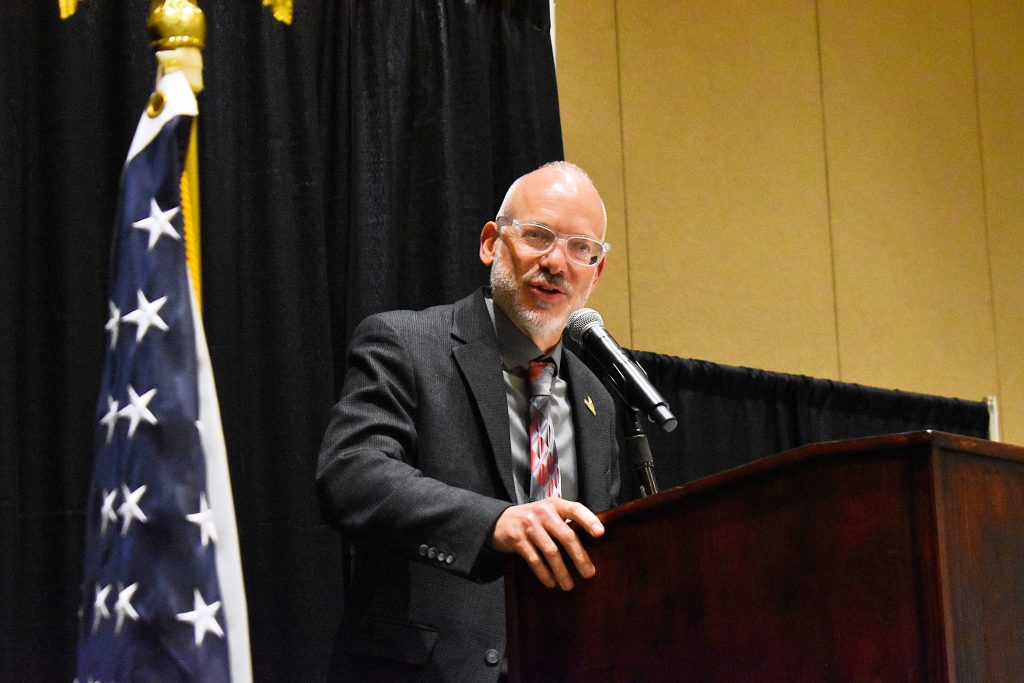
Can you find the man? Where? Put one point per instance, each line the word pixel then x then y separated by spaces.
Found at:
pixel 428 464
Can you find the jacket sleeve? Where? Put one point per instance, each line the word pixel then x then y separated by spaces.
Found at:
pixel 367 482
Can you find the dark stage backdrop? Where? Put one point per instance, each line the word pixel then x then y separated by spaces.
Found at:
pixel 348 163
pixel 730 416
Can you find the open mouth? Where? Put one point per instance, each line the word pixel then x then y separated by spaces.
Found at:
pixel 546 291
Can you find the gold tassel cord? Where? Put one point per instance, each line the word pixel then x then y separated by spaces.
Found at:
pixel 190 212
pixel 177 31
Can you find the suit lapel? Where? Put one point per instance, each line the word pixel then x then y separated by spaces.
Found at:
pixel 479 358
pixel 591 415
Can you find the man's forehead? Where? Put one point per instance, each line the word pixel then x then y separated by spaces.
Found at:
pixel 555 180
pixel 561 211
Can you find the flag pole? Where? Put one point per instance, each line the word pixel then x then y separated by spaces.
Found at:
pixel 177 30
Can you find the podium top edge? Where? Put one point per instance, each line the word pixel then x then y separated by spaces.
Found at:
pixel 920 443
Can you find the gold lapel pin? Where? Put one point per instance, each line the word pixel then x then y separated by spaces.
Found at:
pixel 589 403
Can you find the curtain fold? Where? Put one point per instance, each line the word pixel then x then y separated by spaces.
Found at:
pixel 434 110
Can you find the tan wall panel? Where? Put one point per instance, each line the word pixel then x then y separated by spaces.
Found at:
pixel 912 283
pixel 589 102
pixel 999 50
pixel 702 124
pixel 725 185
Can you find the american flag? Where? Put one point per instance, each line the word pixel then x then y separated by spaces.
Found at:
pixel 162 588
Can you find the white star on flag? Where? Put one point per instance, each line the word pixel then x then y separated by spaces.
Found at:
pixel 99 607
pixel 203 618
pixel 109 420
pixel 204 520
pixel 137 410
pixel 130 509
pixel 114 324
pixel 146 315
pixel 158 223
pixel 107 514
pixel 123 607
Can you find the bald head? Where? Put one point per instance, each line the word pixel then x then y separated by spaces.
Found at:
pixel 562 178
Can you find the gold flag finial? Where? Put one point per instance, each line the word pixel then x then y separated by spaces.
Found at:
pixel 177 31
pixel 176 23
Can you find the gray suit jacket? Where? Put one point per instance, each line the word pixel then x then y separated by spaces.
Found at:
pixel 415 468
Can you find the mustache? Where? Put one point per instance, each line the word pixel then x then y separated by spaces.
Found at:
pixel 551 281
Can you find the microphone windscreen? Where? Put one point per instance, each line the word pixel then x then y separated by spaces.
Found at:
pixel 580 321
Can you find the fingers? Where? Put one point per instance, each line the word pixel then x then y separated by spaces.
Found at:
pixel 587 520
pixel 549 564
pixel 539 533
pixel 525 530
pixel 581 514
pixel 574 549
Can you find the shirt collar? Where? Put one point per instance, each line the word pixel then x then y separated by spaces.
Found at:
pixel 516 348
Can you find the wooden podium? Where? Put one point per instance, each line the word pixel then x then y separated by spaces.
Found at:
pixel 897 558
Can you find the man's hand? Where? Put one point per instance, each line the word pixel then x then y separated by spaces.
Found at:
pixel 535 530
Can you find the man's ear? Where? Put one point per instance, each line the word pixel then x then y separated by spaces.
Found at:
pixel 488 242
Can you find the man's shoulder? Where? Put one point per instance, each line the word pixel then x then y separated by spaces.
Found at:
pixel 430 322
pixel 412 319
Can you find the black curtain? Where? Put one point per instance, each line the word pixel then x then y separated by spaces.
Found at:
pixel 730 416
pixel 348 162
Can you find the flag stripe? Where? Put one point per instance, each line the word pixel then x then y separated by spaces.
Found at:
pixel 218 484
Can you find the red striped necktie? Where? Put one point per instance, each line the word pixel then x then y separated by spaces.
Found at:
pixel 544 479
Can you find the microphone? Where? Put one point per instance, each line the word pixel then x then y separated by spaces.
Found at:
pixel 586 327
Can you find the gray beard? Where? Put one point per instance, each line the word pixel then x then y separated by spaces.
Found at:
pixel 503 291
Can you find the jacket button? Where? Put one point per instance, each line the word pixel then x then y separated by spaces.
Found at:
pixel 431 552
pixel 492 657
pixel 423 550
pixel 440 557
pixel 450 558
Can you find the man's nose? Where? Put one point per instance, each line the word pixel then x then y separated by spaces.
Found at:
pixel 555 260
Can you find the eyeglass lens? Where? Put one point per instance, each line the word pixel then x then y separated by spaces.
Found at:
pixel 583 250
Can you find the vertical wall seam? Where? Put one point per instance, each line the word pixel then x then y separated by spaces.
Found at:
pixel 985 197
pixel 828 194
pixel 625 196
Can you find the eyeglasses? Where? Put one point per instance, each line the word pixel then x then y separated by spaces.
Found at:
pixel 541 239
